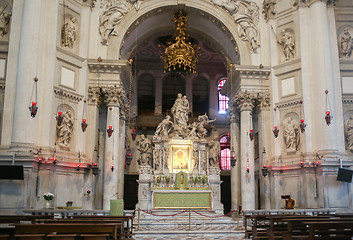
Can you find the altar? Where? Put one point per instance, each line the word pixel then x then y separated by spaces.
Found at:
pixel 179 167
pixel 172 199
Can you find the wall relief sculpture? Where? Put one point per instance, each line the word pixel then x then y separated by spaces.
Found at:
pixel 112 12
pixel 287 41
pixel 268 8
pixel 65 130
pixel 246 15
pixel 291 135
pixel 5 17
pixel 345 44
pixel 349 133
pixel 69 32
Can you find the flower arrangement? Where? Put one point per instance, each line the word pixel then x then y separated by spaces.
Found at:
pixel 159 179
pixel 204 180
pixel 69 203
pixel 48 196
pixel 167 179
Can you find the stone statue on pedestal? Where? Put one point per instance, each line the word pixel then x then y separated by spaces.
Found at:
pixel 145 148
pixel 215 150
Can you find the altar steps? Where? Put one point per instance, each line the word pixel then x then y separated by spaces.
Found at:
pixel 177 227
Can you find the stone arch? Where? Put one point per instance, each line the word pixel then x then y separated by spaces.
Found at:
pixel 216 15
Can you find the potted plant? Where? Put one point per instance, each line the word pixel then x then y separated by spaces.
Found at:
pixel 48 197
pixel 69 203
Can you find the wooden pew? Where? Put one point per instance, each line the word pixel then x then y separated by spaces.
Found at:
pixel 330 229
pixel 113 229
pixel 128 220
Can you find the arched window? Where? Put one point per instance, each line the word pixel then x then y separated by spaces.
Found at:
pixel 224 161
pixel 222 100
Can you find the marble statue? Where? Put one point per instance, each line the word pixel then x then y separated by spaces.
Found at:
pixel 163 128
pixel 112 14
pixel 268 7
pixel 65 130
pixel 195 158
pixel 349 133
pixel 215 150
pixel 203 121
pixel 180 110
pixel 145 148
pixel 345 44
pixel 69 33
pixel 288 43
pixel 291 135
pixel 4 22
pixel 246 14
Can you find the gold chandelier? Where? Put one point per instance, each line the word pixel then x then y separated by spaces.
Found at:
pixel 179 54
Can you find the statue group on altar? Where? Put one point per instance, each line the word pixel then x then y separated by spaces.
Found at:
pixel 180 127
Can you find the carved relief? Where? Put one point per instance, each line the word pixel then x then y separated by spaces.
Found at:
pixel 93 95
pixel 69 32
pixel 5 17
pixel 291 135
pixel 65 130
pixel 287 41
pixel 268 8
pixel 349 133
pixel 115 95
pixel 345 43
pixel 245 101
pixel 112 12
pixel 246 15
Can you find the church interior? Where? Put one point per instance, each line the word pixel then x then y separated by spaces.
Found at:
pixel 140 107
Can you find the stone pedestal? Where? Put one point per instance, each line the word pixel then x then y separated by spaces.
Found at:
pixel 144 190
pixel 215 184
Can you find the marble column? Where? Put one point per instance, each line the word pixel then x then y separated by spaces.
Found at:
pixel 16 102
pixel 121 157
pixel 265 134
pixel 235 171
pixel 111 176
pixel 92 121
pixel 245 102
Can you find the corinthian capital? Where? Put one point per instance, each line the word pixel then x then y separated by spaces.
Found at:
pixel 115 95
pixel 265 100
pixel 93 95
pixel 245 101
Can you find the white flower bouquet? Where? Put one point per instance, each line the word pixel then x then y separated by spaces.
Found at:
pixel 48 196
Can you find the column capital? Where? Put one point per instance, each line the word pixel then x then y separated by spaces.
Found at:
pixel 93 94
pixel 265 100
pixel 245 101
pixel 115 95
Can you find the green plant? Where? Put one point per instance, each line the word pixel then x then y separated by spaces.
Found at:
pixel 159 179
pixel 167 179
pixel 48 196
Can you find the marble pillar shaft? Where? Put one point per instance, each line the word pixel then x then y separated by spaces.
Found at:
pixel 247 161
pixel 235 171
pixel 111 157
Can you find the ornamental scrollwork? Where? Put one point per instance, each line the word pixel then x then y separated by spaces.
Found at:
pixel 268 8
pixel 246 15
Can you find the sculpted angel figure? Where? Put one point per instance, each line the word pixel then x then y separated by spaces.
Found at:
pixel 163 128
pixel 110 19
pixel 201 127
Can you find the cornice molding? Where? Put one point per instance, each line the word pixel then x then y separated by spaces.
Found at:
pixel 67 94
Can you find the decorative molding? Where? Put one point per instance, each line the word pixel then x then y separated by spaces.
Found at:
pixel 245 101
pixel 93 93
pixel 106 66
pixel 347 100
pixel 307 3
pixel 67 94
pixel 289 104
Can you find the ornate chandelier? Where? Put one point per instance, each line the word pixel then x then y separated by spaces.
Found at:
pixel 180 55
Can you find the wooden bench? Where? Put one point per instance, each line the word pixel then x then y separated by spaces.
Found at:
pixel 330 229
pixel 128 220
pixel 113 229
